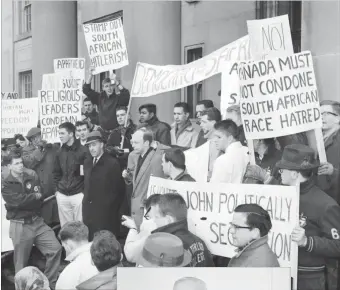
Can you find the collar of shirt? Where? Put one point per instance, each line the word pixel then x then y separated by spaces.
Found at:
pixel 97 157
pixel 83 142
pixel 82 249
pixel 233 146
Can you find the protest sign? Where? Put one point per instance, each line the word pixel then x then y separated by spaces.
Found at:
pixel 6 241
pixel 57 107
pixel 211 208
pixel 18 116
pixel 150 79
pixel 9 95
pixel 270 37
pixel 72 71
pixel 106 45
pixel 52 81
pixel 279 96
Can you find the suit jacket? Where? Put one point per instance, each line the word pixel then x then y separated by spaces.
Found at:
pixel 103 194
pixel 152 165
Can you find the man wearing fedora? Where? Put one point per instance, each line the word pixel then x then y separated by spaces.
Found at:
pixel 104 188
pixel 163 250
pixel 318 234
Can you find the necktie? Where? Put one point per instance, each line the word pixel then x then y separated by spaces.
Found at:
pixel 95 161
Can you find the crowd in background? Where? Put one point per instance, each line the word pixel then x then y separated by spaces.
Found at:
pixel 99 175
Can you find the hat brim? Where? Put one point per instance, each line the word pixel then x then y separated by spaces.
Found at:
pixel 284 164
pixel 186 261
pixel 95 140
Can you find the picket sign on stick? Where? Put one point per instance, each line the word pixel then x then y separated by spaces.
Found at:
pixel 320 145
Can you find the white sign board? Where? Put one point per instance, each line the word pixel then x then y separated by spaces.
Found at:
pixel 57 107
pixel 18 116
pixel 270 37
pixel 211 208
pixel 72 71
pixel 6 241
pixel 106 45
pixel 151 80
pixel 279 96
pixel 9 95
pixel 52 81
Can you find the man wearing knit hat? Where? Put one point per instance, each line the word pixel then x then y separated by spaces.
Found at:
pixel 104 188
pixel 318 234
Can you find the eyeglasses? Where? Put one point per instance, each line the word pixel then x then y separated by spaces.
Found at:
pixel 329 113
pixel 146 216
pixel 236 227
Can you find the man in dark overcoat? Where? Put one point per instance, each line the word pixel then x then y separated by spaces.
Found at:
pixel 104 188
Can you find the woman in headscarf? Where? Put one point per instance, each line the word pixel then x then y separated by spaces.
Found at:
pixel 31 278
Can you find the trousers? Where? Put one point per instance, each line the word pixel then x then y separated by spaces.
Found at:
pixel 69 207
pixel 311 280
pixel 42 236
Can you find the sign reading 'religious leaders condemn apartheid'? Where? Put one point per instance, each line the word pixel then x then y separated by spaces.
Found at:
pixel 279 96
pixel 106 45
pixel 72 72
pixel 18 116
pixel 211 207
pixel 151 80
pixel 57 107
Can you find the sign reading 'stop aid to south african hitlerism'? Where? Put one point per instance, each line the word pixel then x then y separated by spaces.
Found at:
pixel 279 96
pixel 106 45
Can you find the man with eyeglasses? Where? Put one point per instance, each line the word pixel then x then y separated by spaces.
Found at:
pixel 249 231
pixel 318 235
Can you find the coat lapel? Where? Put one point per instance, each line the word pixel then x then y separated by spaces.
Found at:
pixel 144 167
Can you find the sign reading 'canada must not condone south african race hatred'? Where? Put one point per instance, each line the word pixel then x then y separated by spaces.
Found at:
pixel 106 45
pixel 279 96
pixel 57 107
pixel 211 207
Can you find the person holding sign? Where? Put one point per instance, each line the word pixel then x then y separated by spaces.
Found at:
pixel 328 174
pixel 231 166
pixel 112 96
pixel 249 230
pixel 318 234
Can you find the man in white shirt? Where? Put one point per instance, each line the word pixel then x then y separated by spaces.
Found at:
pixel 231 166
pixel 74 238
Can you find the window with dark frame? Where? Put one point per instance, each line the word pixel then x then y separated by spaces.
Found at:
pixel 193 93
pixel 25 79
pixel 268 9
pixel 98 79
pixel 25 17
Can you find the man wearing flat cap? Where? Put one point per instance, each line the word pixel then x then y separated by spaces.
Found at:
pixel 104 188
pixel 318 233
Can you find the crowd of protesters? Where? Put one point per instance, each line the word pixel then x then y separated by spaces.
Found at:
pixel 99 175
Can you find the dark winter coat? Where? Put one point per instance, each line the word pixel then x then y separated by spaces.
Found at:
pixel 42 162
pixel 103 194
pixel 256 254
pixel 331 184
pixel 67 168
pixel 184 176
pixel 201 257
pixel 161 130
pixel 93 116
pixel 20 198
pixel 107 105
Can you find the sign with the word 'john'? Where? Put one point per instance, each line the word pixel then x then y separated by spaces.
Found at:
pixel 270 37
pixel 18 116
pixel 72 71
pixel 9 95
pixel 279 96
pixel 151 80
pixel 57 107
pixel 106 45
pixel 211 208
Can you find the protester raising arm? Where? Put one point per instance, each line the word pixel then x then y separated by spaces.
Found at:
pixel 91 94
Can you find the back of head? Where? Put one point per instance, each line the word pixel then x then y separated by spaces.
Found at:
pixel 228 127
pixel 152 200
pixel 69 127
pixel 206 103
pixel 147 134
pixel 257 217
pixel 174 205
pixel 190 283
pixel 151 108
pixel 213 114
pixel 176 157
pixel 75 231
pixel 106 251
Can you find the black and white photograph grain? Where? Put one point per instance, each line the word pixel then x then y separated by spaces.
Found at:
pixel 142 136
